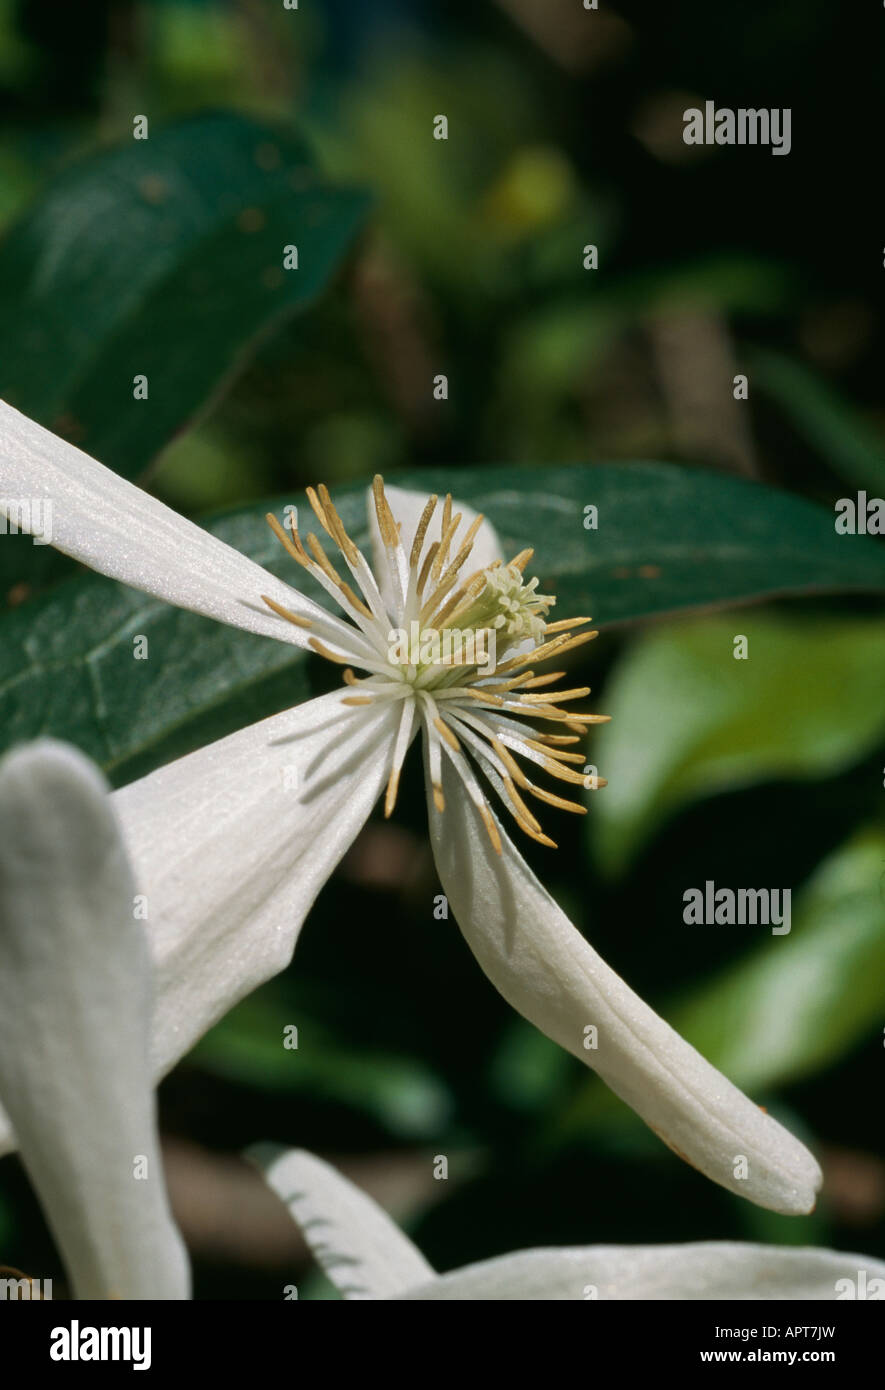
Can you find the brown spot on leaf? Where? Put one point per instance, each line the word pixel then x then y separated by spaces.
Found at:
pixel 251 220
pixel 153 189
pixel 18 593
pixel 68 426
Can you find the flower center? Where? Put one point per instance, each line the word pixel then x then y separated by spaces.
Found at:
pixel 456 655
pixel 497 611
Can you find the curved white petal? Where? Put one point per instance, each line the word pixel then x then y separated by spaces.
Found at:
pixel 354 1240
pixel 230 846
pixel 709 1270
pixel 544 967
pixel 75 983
pixel 119 530
pixel 407 507
pixel 233 843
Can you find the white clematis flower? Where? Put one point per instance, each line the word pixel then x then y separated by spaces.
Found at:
pixel 366 1256
pixel 231 859
pixel 75 985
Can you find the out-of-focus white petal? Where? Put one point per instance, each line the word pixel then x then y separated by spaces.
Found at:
pixel 548 972
pixel 230 846
pixel 354 1240
pixel 367 1256
pixel 710 1270
pixel 407 507
pixel 119 530
pixel 75 982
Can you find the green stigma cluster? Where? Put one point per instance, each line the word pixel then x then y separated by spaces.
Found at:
pixel 512 609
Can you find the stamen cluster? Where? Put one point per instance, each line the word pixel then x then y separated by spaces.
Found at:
pixel 464 706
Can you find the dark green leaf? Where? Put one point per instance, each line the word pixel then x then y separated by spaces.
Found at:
pixel 162 258
pixel 668 538
pixel 67 667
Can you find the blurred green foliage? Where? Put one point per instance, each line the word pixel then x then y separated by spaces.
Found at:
pixel 732 701
pixel 776 1016
pixel 468 262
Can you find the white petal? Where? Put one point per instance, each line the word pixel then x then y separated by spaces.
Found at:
pixel 354 1240
pixel 548 972
pixel 407 507
pixel 119 530
pixel 233 843
pixel 711 1270
pixel 74 1023
pixel 230 847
